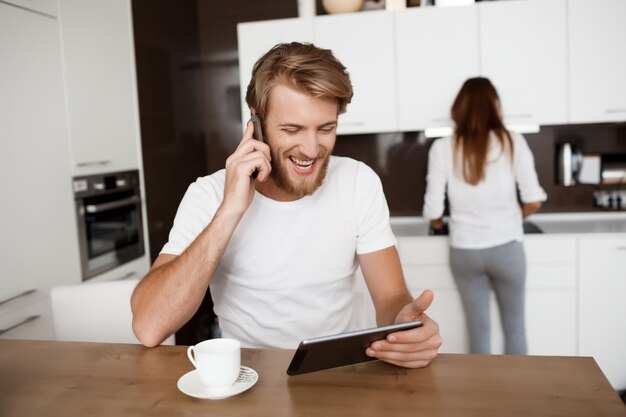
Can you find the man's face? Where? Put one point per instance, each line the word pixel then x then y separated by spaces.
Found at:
pixel 300 131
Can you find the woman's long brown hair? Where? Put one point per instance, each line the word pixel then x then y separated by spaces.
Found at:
pixel 476 112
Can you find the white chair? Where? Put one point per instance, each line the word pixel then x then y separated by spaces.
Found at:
pixel 95 312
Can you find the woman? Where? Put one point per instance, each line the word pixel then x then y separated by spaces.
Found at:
pixel 481 167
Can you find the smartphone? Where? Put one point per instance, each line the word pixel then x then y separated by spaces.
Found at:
pixel 258 135
pixel 341 349
pixel 258 127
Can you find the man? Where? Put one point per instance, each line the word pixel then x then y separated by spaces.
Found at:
pixel 278 233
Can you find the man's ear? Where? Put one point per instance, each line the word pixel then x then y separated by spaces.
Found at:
pixel 252 110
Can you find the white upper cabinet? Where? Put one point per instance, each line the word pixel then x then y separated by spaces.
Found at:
pixel 363 42
pixel 437 50
pixel 98 52
pixel 256 38
pixel 553 62
pixel 523 52
pixel 597 35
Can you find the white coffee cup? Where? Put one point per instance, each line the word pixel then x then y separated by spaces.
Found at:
pixel 217 362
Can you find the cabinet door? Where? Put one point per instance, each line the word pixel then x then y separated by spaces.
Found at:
pixel 364 311
pixel 32 321
pixel 363 42
pixel 256 38
pixel 597 62
pixel 551 303
pixel 38 245
pixel 98 51
pixel 602 277
pixel 437 50
pixel 447 311
pixel 425 266
pixel 523 52
pixel 48 7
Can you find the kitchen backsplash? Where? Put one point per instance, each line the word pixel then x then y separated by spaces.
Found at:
pixel 400 159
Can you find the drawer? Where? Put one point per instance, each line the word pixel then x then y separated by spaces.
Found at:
pixel 434 277
pixel 604 254
pixel 423 250
pixel 549 250
pixel 33 321
pixel 551 276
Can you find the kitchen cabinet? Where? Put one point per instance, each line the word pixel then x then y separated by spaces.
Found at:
pixel 98 53
pixel 47 7
pixel 551 294
pixel 523 51
pixel 602 274
pixel 553 62
pixel 373 108
pixel 551 297
pixel 425 265
pixel 256 38
pixel 31 321
pixel 38 247
pixel 597 63
pixel 362 42
pixel 437 50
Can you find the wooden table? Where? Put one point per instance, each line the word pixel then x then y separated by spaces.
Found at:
pixel 39 378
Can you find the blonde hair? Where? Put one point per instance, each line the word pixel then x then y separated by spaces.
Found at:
pixel 302 66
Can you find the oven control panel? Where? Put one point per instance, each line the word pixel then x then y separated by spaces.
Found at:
pixel 95 184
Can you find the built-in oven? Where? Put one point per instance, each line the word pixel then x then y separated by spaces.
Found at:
pixel 110 230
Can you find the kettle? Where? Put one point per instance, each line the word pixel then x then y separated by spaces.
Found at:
pixel 569 163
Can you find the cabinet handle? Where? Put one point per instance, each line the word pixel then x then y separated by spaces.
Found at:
pixel 24 294
pixel 352 124
pixel 613 111
pixel 92 163
pixel 21 323
pixel 518 116
pixel 440 119
pixel 621 248
pixel 126 276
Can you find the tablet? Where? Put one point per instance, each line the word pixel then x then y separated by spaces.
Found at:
pixel 340 349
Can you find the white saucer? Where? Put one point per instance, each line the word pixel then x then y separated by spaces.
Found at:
pixel 191 385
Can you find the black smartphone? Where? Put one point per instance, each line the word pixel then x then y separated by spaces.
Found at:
pixel 258 135
pixel 341 349
pixel 258 127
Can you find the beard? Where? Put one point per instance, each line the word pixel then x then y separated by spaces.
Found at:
pixel 302 186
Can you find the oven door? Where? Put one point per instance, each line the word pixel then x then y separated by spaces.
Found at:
pixel 110 230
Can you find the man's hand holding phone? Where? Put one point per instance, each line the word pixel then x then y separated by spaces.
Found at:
pixel 251 155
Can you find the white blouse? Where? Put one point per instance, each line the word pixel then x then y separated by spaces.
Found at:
pixel 487 214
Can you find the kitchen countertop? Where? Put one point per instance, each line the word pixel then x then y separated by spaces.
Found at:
pixel 552 223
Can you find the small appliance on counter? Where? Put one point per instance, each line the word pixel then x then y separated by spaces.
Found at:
pixel 613 169
pixel 610 199
pixel 108 211
pixel 569 164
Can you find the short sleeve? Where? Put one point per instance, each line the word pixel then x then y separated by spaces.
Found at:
pixel 373 228
pixel 195 212
pixel 525 174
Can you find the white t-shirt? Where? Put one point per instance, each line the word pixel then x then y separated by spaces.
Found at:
pixel 487 214
pixel 288 271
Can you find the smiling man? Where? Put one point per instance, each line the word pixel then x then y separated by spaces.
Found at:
pixel 280 251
